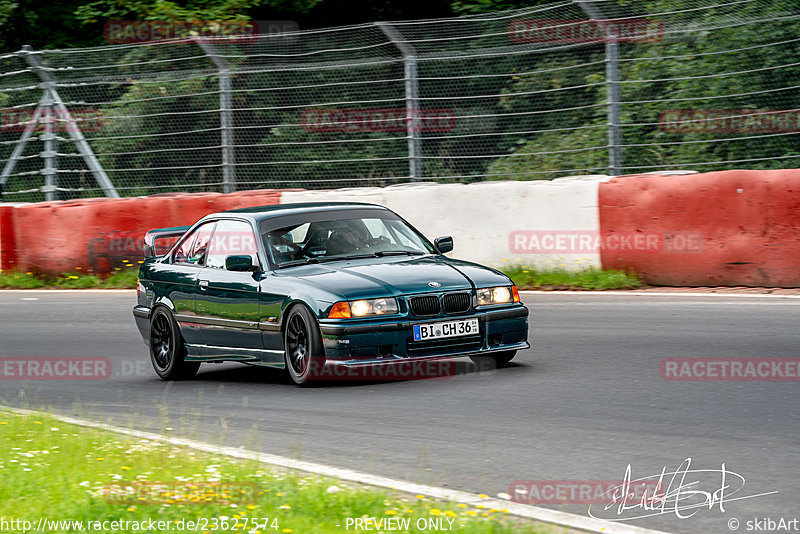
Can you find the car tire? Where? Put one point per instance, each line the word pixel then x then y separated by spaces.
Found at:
pixel 303 353
pixel 167 351
pixel 495 360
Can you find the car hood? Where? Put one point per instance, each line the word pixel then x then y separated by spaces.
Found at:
pixel 394 276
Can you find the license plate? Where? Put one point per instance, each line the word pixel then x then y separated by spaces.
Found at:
pixel 463 327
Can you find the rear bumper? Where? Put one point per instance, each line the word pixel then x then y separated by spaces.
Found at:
pixel 141 315
pixel 392 342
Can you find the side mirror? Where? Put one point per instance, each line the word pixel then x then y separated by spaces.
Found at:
pixel 443 244
pixel 239 263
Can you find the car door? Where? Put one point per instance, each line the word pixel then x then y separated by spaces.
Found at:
pixel 228 301
pixel 179 279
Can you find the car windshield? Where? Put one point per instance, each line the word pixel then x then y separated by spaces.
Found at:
pixel 343 238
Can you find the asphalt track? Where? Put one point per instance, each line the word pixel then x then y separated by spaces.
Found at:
pixel 584 403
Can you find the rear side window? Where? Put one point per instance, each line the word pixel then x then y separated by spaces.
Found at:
pixel 193 249
pixel 231 238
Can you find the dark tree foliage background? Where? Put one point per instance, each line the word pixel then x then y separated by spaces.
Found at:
pixel 47 24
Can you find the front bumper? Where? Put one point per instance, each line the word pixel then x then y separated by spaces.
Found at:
pixel 365 343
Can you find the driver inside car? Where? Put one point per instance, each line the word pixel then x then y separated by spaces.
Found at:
pixel 346 240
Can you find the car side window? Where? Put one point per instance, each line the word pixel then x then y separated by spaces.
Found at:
pixel 192 250
pixel 231 238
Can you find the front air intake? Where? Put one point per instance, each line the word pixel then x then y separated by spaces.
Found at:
pixel 456 302
pixel 424 306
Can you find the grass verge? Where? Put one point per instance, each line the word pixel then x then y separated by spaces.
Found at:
pixel 61 472
pixel 587 279
pixel 121 279
pixel 524 277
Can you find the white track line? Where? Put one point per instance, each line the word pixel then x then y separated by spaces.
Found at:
pixel 535 513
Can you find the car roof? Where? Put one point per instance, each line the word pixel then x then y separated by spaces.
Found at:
pixel 265 212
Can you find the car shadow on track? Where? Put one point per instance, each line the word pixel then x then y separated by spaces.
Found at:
pixel 357 377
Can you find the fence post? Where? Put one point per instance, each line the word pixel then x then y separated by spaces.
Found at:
pixel 49 86
pixel 412 99
pixel 225 116
pixel 50 170
pixel 612 90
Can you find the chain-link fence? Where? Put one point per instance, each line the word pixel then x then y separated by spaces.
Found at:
pixel 573 87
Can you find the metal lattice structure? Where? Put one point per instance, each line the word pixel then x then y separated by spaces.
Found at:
pixel 572 87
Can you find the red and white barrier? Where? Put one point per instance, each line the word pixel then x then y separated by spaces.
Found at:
pixel 718 228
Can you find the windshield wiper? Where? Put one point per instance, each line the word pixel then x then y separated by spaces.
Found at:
pixel 349 257
pixel 399 253
pixel 294 263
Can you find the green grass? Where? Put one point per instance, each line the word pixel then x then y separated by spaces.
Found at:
pixel 591 279
pixel 65 472
pixel 524 277
pixel 121 279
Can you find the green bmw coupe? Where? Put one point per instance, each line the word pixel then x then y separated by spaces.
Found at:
pixel 315 287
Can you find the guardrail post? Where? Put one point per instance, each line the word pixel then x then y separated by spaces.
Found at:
pixel 50 170
pixel 49 86
pixel 225 116
pixel 612 90
pixel 412 99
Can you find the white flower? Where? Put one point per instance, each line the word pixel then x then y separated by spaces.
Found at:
pixel 333 489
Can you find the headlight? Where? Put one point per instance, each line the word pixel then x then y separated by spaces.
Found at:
pixel 494 295
pixel 363 308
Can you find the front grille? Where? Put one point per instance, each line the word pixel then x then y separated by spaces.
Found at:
pixel 456 302
pixel 453 345
pixel 424 306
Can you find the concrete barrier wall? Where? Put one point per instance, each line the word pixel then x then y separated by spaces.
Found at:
pixel 496 223
pixel 720 228
pixel 8 242
pixel 737 228
pixel 102 234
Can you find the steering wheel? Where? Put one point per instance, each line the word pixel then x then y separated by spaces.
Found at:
pixel 380 240
pixel 298 251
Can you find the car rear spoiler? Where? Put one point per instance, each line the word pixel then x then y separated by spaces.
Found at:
pixel 160 233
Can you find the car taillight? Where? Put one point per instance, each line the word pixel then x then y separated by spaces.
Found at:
pixel 515 293
pixel 340 310
pixel 138 288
